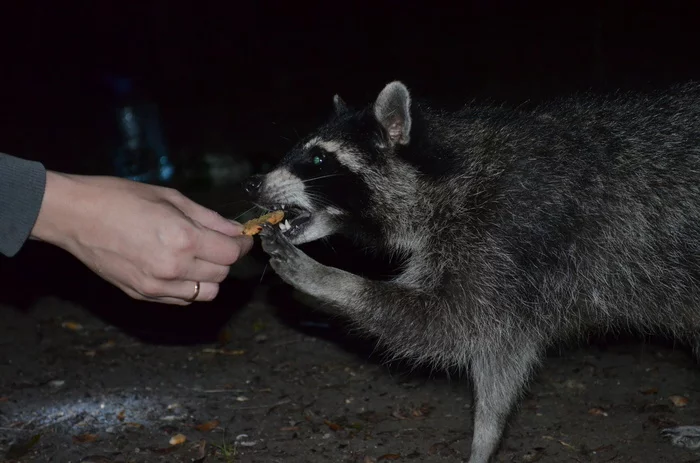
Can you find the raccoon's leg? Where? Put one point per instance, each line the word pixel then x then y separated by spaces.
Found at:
pixel 499 371
pixel 499 375
pixel 297 269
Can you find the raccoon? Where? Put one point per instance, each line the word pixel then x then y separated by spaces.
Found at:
pixel 516 228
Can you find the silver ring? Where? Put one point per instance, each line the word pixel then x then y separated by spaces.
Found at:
pixel 196 292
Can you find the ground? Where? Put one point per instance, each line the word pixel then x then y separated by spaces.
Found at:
pixel 260 376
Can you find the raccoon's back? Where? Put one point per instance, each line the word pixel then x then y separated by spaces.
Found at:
pixel 591 215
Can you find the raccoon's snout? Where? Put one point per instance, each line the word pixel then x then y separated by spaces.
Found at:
pixel 252 185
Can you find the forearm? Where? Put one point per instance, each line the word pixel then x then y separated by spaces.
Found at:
pixel 22 186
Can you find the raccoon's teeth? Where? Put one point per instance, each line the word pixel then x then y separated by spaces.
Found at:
pixel 283 226
pixel 287 224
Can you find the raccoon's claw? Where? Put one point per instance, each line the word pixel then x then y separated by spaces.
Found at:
pixel 289 263
pixel 683 436
pixel 285 258
pixel 275 243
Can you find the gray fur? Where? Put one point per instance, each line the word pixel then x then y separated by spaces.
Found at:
pixel 520 228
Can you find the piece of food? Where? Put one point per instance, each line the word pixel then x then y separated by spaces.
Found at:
pixel 177 439
pixel 254 226
pixel 679 400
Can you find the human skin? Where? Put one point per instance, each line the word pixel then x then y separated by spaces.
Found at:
pixel 150 241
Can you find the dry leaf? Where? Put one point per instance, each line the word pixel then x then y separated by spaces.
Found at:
pixel 81 439
pixel 90 353
pixel 234 352
pixel 333 426
pixel 290 428
pixel 121 415
pixel 178 439
pixel 389 456
pixel 596 411
pixel 4 399
pixel 73 326
pixel 565 444
pixel 679 400
pixel 135 425
pixel 208 426
pixel 653 390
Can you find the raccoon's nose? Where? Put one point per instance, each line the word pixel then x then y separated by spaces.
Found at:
pixel 252 185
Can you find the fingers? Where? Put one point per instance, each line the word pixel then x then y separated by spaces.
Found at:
pixel 220 241
pixel 176 292
pixel 218 248
pixel 202 270
pixel 208 218
pixel 187 291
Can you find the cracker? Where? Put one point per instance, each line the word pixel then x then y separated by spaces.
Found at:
pixel 254 226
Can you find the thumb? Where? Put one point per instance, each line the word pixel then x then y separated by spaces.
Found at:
pixel 210 219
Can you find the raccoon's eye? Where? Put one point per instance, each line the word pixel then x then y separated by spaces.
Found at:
pixel 318 159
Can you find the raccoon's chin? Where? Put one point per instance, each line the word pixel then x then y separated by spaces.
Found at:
pixel 318 225
pixel 302 226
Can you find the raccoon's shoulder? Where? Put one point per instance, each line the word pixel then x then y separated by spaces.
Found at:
pixel 446 143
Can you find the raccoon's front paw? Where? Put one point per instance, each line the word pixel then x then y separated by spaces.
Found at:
pixel 288 262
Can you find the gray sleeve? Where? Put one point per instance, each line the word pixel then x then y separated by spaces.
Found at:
pixel 22 185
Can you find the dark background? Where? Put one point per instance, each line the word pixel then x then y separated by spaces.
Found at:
pixel 249 78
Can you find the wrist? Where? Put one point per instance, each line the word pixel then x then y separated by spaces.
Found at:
pixel 56 221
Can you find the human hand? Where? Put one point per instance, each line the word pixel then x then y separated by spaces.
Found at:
pixel 151 242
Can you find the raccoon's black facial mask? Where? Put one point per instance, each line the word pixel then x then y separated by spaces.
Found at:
pixel 312 187
pixel 322 184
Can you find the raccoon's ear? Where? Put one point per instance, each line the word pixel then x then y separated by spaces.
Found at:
pixel 393 110
pixel 339 105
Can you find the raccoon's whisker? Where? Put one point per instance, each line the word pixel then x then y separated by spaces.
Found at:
pixel 319 200
pixel 319 178
pixel 244 213
pixel 262 207
pixel 263 272
pixel 318 197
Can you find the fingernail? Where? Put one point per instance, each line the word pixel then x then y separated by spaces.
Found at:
pixel 239 227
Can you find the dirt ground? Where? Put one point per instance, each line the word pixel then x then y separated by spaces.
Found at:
pixel 259 376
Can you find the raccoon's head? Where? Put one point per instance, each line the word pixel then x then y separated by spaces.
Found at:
pixel 332 179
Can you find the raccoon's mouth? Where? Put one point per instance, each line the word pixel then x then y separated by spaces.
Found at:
pixel 295 219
